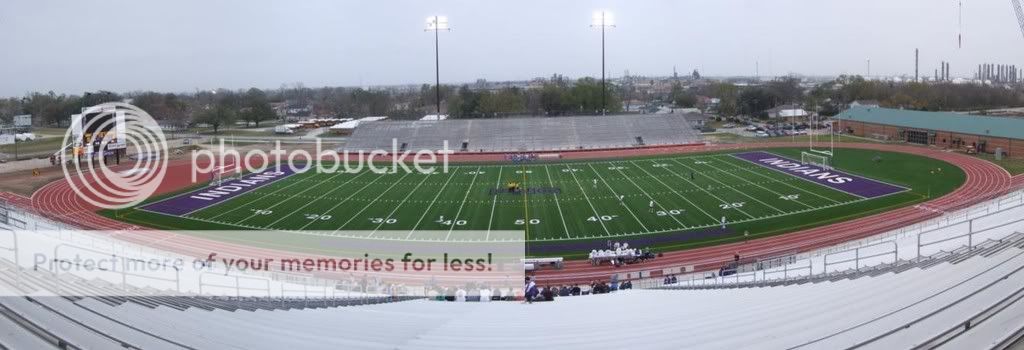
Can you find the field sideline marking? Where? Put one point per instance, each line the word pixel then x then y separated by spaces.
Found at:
pixel 289 198
pixel 765 188
pixel 427 211
pixel 392 213
pixel 652 199
pixel 616 197
pixel 494 203
pixel 368 205
pixel 735 166
pixel 702 188
pixel 596 214
pixel 315 175
pixel 469 189
pixel 713 219
pixel 335 205
pixel 560 215
pixel 745 194
pixel 307 204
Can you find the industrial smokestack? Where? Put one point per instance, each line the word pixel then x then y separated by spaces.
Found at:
pixel 917 56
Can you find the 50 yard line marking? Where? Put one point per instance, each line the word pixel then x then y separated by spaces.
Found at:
pixel 526 210
pixel 431 205
pixel 552 183
pixel 463 204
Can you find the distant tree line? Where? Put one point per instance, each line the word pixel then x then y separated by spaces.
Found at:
pixel 556 96
pixel 833 97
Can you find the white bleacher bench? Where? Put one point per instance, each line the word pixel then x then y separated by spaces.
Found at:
pixel 537 263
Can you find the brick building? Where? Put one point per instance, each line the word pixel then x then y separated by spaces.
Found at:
pixel 941 129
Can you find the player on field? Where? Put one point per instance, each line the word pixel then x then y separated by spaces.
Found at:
pixel 651 205
pixel 595 183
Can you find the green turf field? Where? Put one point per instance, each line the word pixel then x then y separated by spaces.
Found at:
pixel 585 206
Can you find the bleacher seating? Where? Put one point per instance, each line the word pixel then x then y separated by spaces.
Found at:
pixel 890 309
pixel 527 134
pixel 961 292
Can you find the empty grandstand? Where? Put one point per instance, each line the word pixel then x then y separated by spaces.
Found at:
pixel 959 289
pixel 527 134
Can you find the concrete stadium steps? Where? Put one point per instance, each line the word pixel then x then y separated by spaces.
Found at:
pixel 876 304
pixel 985 249
pixel 526 134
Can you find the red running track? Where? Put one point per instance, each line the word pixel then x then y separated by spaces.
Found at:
pixel 984 181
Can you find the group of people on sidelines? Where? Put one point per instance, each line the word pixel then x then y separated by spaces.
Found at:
pixel 619 254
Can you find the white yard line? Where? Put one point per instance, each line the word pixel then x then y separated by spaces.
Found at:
pixel 463 204
pixel 681 224
pixel 702 188
pixel 261 197
pixel 762 187
pixel 425 212
pixel 392 213
pixel 368 205
pixel 617 196
pixel 737 191
pixel 596 214
pixel 655 177
pixel 290 197
pixel 734 166
pixel 494 203
pixel 560 215
pixel 336 204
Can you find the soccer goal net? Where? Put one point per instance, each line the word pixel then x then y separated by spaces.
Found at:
pixel 815 159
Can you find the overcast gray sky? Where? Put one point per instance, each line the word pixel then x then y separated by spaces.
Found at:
pixel 183 45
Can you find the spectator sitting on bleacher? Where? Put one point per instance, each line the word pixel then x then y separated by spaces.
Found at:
pixel 548 294
pixel 530 291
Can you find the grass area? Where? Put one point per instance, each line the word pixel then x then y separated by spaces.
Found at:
pixel 47 144
pixel 588 201
pixel 1013 166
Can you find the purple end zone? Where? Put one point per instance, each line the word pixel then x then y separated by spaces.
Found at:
pixel 189 202
pixel 838 180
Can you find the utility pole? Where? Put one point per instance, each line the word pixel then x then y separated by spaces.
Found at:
pixel 437 24
pixel 603 19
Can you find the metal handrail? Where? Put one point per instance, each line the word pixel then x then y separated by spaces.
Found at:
pixel 124 272
pixel 857 256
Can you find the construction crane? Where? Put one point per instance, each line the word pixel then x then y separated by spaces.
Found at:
pixel 1020 14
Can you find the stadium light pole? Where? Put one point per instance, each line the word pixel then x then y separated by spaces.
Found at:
pixel 603 19
pixel 437 24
